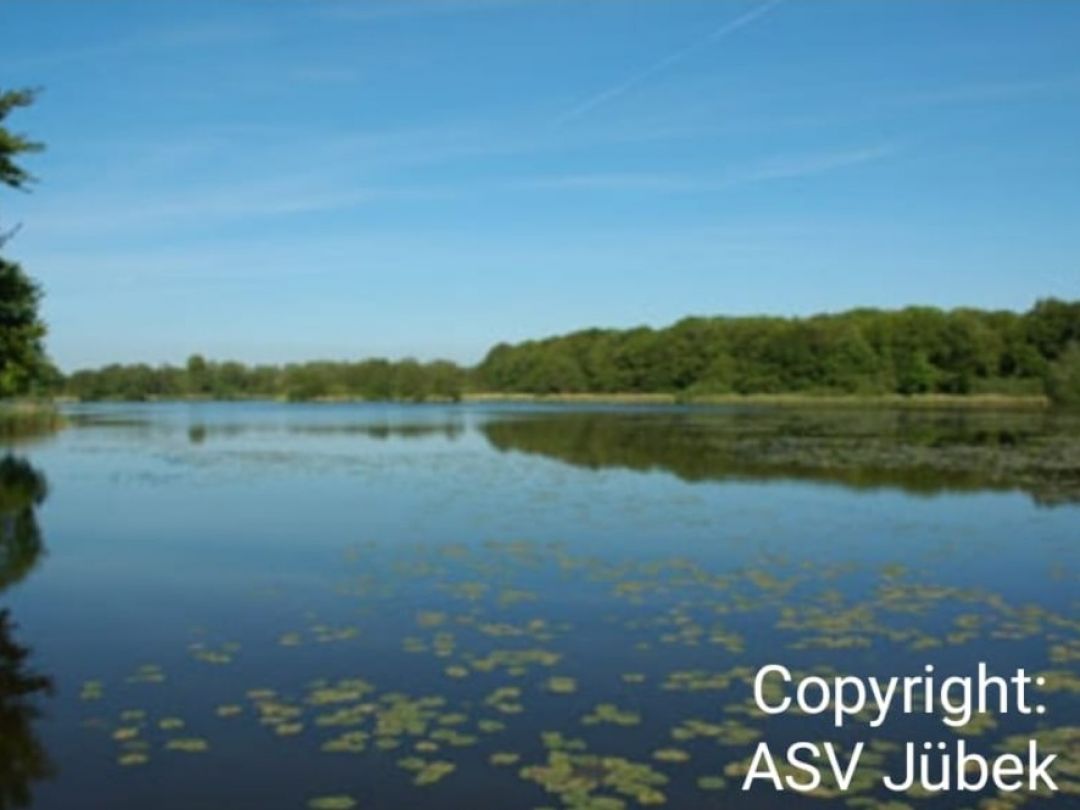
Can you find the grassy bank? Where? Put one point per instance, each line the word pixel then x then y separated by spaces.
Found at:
pixel 621 399
pixel 28 419
pixel 917 401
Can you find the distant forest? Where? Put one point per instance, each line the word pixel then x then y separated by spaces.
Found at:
pixel 862 352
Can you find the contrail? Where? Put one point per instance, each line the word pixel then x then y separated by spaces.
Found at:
pixel 661 65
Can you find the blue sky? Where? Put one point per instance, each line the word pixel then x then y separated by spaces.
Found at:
pixel 276 181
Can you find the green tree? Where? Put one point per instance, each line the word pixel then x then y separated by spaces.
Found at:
pixel 410 382
pixel 447 380
pixel 1052 325
pixel 198 375
pixel 13 144
pixel 22 356
pixel 918 350
pixel 1063 378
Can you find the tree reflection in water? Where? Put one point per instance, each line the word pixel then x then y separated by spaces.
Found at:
pixel 23 759
pixel 917 452
pixel 22 489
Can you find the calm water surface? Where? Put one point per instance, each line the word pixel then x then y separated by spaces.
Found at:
pixel 264 605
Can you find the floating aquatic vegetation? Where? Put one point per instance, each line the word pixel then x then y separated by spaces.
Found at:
pixel 980 723
pixel 332 803
pixel 346 715
pixel 832 627
pixel 560 685
pixel 219 656
pixel 125 733
pixel 92 690
pixel 468 591
pixel 275 713
pixel 587 780
pixel 1060 680
pixel 610 713
pixel 711 783
pixel 428 773
pixel 555 741
pixel 147 673
pixel 870 803
pixel 698 680
pixel 726 732
pixel 515 662
pixel 502 630
pixel 430 618
pixel 1065 652
pixel 132 758
pixel 188 745
pixel 730 641
pixel 453 738
pixel 351 742
pixel 505 699
pixel 484 646
pixel 443 644
pixel 671 755
pixel 398 715
pixel 324 634
pixel 515 596
pixel 349 690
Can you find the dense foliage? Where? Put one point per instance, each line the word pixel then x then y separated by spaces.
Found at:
pixel 910 351
pixel 862 352
pixel 22 354
pixel 1063 378
pixel 375 379
pixel 23 365
pixel 12 144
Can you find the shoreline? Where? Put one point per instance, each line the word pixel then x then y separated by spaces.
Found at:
pixel 1002 402
pixel 914 401
pixel 21 420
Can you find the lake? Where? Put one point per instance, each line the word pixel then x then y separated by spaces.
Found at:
pixel 461 606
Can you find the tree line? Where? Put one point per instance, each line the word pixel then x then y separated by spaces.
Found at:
pixel 864 352
pixel 917 350
pixel 371 379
